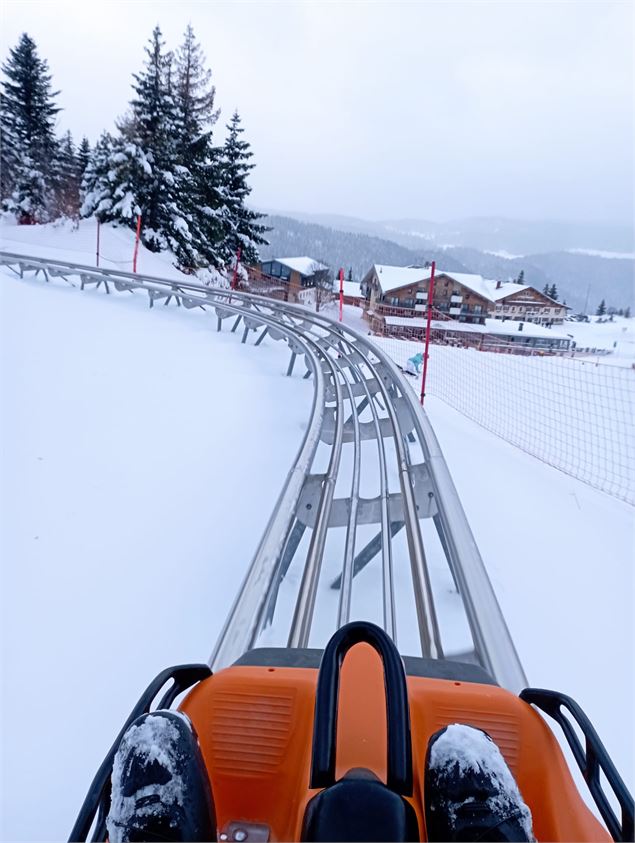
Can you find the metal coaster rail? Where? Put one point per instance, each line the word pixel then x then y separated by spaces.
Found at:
pixel 351 377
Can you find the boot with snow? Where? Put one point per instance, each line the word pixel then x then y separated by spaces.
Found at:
pixel 469 790
pixel 160 788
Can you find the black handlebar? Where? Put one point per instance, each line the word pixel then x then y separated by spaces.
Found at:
pixel 399 750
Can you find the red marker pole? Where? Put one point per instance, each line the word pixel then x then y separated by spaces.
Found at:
pixel 136 244
pixel 425 353
pixel 341 293
pixel 98 224
pixel 235 275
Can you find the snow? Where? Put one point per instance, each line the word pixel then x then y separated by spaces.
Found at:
pixel 303 265
pixel 479 285
pixel 507 289
pixel 501 253
pixel 77 241
pixel 602 253
pixel 144 454
pixel 141 458
pixel 461 750
pixel 350 288
pixel 394 277
pixel 617 336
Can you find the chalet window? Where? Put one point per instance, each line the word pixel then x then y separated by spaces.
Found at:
pixel 275 269
pixel 478 308
pixel 266 268
pixel 285 272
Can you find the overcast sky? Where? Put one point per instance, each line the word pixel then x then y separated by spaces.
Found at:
pixel 380 110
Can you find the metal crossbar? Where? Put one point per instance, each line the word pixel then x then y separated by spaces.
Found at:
pixel 359 398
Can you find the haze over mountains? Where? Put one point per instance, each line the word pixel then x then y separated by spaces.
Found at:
pixel 587 262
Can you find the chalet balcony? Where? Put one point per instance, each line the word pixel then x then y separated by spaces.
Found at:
pixel 385 309
pixel 456 299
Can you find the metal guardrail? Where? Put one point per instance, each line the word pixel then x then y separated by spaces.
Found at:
pixel 353 380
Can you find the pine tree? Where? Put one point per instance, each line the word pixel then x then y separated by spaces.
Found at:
pixel 546 290
pixel 601 308
pixel 83 156
pixel 242 229
pixel 350 273
pixel 521 277
pixel 27 119
pixel 627 312
pixel 96 188
pixel 553 292
pixel 193 90
pixel 194 96
pixel 66 179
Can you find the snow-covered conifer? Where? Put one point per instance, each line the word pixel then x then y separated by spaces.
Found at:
pixel 194 95
pixel 83 156
pixel 66 179
pixel 28 141
pixel 160 182
pixel 96 188
pixel 242 228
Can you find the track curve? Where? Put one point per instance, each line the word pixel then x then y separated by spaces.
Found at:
pixel 359 397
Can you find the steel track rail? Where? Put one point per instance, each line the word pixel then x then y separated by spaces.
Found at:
pixel 351 376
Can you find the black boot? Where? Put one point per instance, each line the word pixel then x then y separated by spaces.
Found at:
pixel 160 788
pixel 469 791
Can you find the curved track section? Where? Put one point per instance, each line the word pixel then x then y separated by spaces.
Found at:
pixel 369 488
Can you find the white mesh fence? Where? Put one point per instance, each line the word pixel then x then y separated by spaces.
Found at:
pixel 572 412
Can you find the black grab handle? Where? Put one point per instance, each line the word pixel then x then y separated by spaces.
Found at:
pixel 592 759
pixel 399 752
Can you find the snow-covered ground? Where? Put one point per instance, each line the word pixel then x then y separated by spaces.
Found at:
pixel 616 337
pixel 77 243
pixel 142 455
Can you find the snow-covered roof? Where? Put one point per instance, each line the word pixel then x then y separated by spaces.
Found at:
pixel 393 277
pixel 351 288
pixel 479 285
pixel 507 289
pixel 511 287
pixel 491 326
pixel 304 265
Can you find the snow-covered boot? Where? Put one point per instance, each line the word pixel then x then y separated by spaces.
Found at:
pixel 160 788
pixel 469 791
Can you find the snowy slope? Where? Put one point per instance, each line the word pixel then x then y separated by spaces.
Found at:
pixel 142 456
pixel 77 243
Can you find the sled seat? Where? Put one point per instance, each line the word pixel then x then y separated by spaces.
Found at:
pixel 255 726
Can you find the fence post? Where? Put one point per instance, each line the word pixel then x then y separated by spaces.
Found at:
pixel 97 252
pixel 425 353
pixel 341 292
pixel 136 244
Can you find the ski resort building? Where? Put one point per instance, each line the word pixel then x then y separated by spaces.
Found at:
pixel 296 278
pixel 403 291
pixel 519 302
pixel 394 294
